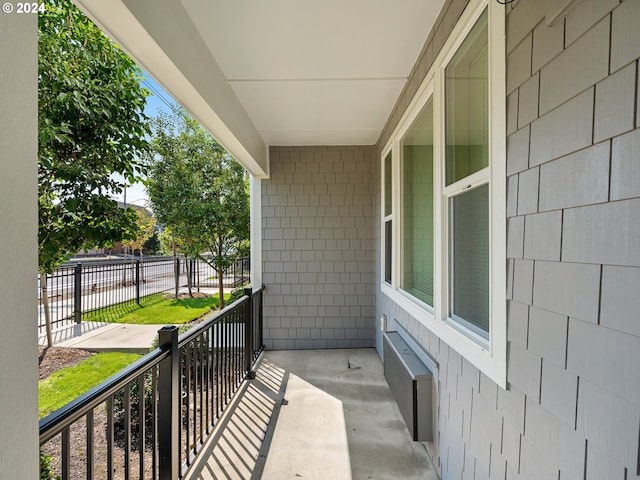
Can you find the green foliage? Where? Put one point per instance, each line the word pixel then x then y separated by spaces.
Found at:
pixel 166 241
pixel 181 330
pixel 198 191
pixel 90 125
pixel 236 294
pixel 146 225
pixel 134 411
pixel 69 383
pixel 46 470
pixel 152 244
pixel 119 413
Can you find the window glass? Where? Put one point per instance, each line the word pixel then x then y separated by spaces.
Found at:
pixel 443 198
pixel 469 264
pixel 388 217
pixel 388 185
pixel 388 252
pixel 467 105
pixel 417 207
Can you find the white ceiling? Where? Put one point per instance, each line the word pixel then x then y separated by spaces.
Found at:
pixel 257 73
pixel 315 72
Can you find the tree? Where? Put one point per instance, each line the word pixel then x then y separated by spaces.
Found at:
pixel 146 225
pixel 200 192
pixel 90 125
pixel 153 244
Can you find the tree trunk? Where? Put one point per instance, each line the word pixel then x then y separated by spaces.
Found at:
pixel 124 268
pixel 176 267
pixel 221 287
pixel 197 275
pixel 45 306
pixel 133 268
pixel 141 267
pixel 189 283
pixel 220 272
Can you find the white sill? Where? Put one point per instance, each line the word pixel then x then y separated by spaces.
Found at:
pixel 471 346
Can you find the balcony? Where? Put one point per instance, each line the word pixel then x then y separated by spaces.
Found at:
pixel 216 406
pixel 314 414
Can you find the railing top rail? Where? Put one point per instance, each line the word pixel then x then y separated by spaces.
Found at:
pixel 57 421
pixel 116 261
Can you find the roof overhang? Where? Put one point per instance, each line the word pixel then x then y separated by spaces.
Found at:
pixel 279 72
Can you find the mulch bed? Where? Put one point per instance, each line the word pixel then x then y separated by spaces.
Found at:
pixel 51 359
pixel 55 358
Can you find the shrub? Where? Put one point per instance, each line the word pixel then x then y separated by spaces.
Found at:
pixel 134 415
pixel 46 470
pixel 236 294
pixel 156 340
pixel 134 394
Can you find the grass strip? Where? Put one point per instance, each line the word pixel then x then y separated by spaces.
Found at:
pixel 65 385
pixel 165 311
pixel 112 313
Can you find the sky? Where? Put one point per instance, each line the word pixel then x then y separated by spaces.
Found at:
pixel 157 101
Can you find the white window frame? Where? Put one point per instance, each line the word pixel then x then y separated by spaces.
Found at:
pixel 488 356
pixel 402 132
pixel 386 218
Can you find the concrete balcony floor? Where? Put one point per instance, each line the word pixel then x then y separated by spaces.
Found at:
pixel 314 414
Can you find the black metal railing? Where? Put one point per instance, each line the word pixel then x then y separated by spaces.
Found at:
pixel 75 290
pixel 237 274
pixel 151 420
pixel 83 291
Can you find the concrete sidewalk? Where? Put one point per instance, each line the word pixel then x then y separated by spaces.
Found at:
pixel 110 337
pixel 105 337
pixel 314 414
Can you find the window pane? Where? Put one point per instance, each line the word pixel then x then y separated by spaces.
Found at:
pixel 417 219
pixel 387 186
pixel 466 105
pixel 469 230
pixel 388 231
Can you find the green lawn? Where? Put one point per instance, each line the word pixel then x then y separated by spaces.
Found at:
pixel 69 383
pixel 158 311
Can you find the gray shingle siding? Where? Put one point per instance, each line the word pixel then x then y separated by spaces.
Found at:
pixel 317 226
pixel 572 409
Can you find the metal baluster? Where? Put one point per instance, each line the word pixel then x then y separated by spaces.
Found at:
pixel 169 440
pixel 127 429
pixel 238 349
pixel 141 421
pixel 90 472
pixel 137 273
pixel 154 422
pixel 207 354
pixel 224 362
pixel 216 351
pixel 66 446
pixel 110 437
pixel 260 319
pixel 77 297
pixel 187 374
pixel 228 355
pixel 201 369
pixel 196 343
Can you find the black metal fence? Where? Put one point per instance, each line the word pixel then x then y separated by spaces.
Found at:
pixel 204 275
pixel 78 291
pixel 151 420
